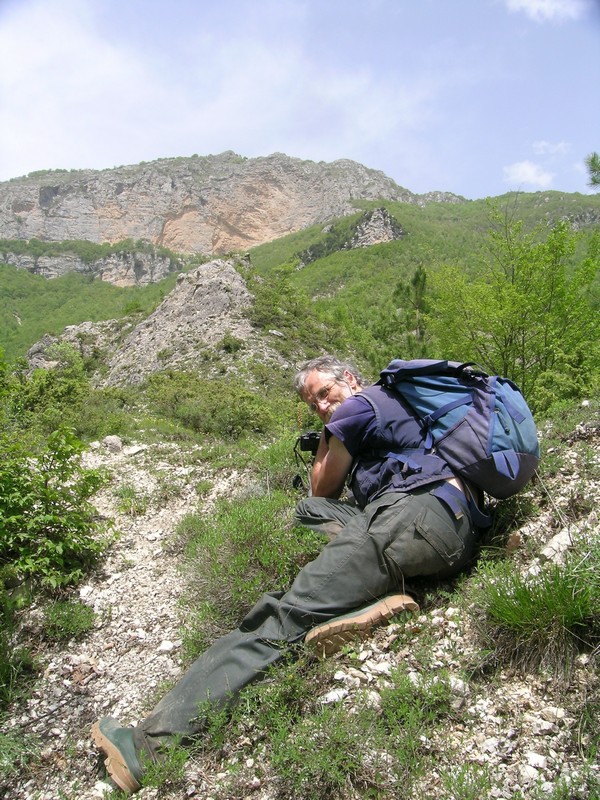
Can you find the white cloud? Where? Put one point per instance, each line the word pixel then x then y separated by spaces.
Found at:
pixel 526 172
pixel 118 103
pixel 554 10
pixel 543 148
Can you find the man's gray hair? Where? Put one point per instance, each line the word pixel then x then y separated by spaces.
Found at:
pixel 330 365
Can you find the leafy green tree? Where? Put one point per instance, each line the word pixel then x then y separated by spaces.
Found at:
pixel 592 163
pixel 47 397
pixel 527 316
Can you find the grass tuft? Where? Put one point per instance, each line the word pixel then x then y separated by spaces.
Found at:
pixel 539 620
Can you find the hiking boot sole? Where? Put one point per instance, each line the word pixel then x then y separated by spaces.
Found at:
pixel 331 636
pixel 114 762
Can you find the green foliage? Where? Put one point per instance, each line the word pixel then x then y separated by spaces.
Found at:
pixel 221 407
pixel 32 306
pixel 323 755
pixel 230 343
pixel 333 238
pixel 169 772
pixel 286 311
pixel 16 663
pixel 50 534
pixel 467 782
pixel 361 290
pixel 527 316
pixel 131 500
pixel 18 752
pixel 106 412
pixel 67 619
pixel 49 397
pixel 85 250
pixel 592 163
pixel 318 751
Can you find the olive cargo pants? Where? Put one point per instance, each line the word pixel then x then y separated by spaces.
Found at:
pixel 396 536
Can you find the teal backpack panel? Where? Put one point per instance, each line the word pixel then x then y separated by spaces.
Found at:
pixel 480 425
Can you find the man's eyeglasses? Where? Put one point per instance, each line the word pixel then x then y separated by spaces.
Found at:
pixel 321 396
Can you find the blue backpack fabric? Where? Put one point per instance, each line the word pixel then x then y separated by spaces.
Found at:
pixel 479 424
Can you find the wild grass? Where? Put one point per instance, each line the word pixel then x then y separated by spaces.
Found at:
pixel 231 557
pixel 541 619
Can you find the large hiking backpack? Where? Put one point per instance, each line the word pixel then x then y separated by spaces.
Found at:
pixel 480 425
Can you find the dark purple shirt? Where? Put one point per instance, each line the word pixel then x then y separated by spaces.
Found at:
pixel 384 438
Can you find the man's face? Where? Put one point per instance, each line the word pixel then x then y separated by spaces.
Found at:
pixel 324 393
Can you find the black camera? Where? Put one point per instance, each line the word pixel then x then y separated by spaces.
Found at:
pixel 305 443
pixel 309 442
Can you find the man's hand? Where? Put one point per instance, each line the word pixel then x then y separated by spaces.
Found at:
pixel 332 465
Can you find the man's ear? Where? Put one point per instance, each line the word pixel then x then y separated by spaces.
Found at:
pixel 350 379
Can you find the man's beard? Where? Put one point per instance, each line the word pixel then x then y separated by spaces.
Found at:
pixel 333 407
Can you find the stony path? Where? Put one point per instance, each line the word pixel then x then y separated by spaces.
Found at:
pixel 133 650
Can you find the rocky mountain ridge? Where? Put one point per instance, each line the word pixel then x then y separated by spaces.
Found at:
pixel 138 268
pixel 202 204
pixel 207 304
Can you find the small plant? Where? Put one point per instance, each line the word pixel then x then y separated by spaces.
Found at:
pixel 167 488
pixel 131 501
pixel 67 619
pixel 169 771
pixel 467 782
pixel 17 753
pixel 230 343
pixel 322 756
pixel 203 488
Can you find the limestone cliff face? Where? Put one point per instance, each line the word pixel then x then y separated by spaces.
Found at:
pixel 121 269
pixel 209 205
pixel 375 227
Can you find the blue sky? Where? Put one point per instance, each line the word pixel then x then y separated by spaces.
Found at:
pixel 476 97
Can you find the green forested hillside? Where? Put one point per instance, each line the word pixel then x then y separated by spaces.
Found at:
pixel 379 296
pixel 31 306
pixel 370 301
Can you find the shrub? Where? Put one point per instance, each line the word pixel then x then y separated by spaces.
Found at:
pixel 50 528
pixel 48 397
pixel 539 620
pixel 222 407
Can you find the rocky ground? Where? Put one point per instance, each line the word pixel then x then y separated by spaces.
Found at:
pixel 520 727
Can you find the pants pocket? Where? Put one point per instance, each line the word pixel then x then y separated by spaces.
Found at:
pixel 427 544
pixel 441 531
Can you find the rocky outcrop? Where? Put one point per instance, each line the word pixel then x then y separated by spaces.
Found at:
pixel 206 306
pixel 209 205
pixel 376 227
pixel 373 227
pixel 121 269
